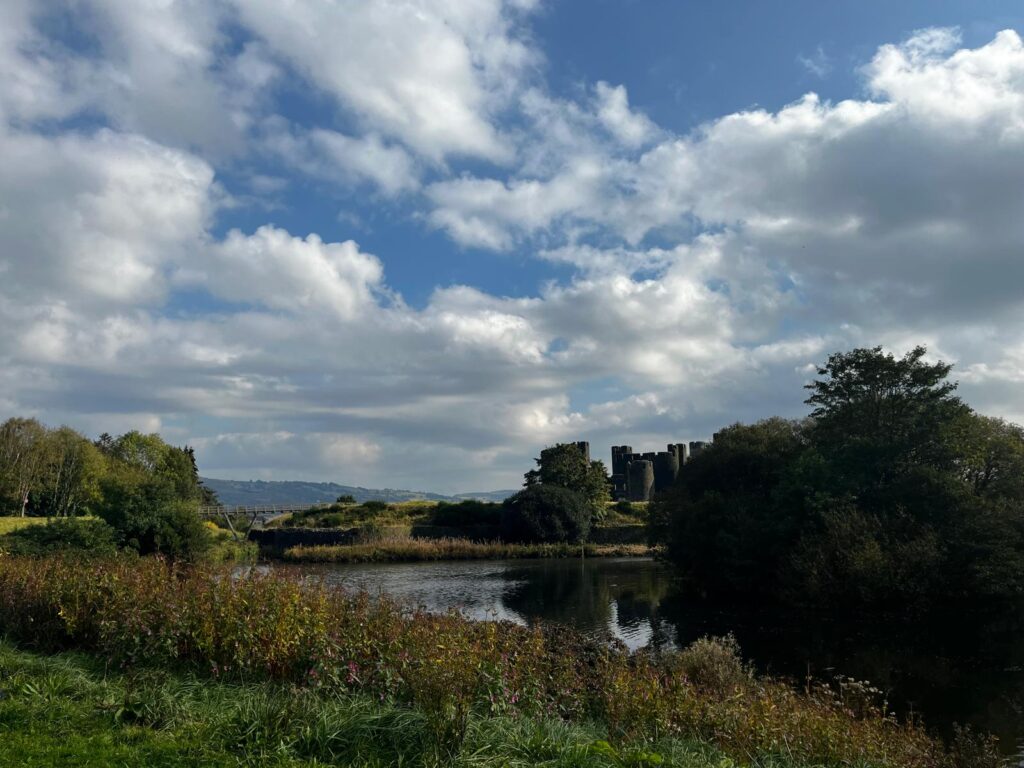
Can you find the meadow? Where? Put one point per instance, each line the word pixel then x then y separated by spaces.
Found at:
pixel 309 664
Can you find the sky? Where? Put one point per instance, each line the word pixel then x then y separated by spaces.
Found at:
pixel 409 243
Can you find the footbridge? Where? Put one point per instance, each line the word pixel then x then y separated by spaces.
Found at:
pixel 256 515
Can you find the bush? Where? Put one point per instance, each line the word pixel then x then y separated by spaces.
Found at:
pixel 625 508
pixel 346 498
pixel 545 513
pixel 149 518
pixel 375 505
pixel 714 664
pixel 467 513
pixel 331 520
pixel 89 536
pixel 370 531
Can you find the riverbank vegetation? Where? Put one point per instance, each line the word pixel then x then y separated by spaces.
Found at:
pixel 323 656
pixel 408 549
pixel 143 490
pixel 69 709
pixel 894 499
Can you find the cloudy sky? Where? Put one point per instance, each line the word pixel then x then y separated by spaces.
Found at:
pixel 408 243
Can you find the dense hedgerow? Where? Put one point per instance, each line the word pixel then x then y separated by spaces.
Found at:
pixel 267 626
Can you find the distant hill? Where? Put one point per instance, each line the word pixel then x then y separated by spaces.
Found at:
pixel 268 492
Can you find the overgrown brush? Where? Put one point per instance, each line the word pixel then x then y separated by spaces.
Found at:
pixel 266 626
pixel 411 549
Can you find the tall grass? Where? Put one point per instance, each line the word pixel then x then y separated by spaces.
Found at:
pixel 450 671
pixel 410 549
pixel 67 709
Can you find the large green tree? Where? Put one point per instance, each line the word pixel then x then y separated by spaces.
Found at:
pixel 22 460
pixel 893 495
pixel 566 466
pixel 151 494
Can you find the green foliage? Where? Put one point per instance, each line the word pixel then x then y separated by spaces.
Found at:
pixel 47 472
pixel 150 518
pixel 147 490
pixel 345 515
pixel 565 466
pixel 70 709
pixel 893 496
pixel 545 513
pixel 715 664
pixel 719 521
pixel 466 513
pixel 87 536
pixel 346 498
pixel 444 689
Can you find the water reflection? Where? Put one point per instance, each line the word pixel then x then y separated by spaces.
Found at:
pixel 948 673
pixel 608 597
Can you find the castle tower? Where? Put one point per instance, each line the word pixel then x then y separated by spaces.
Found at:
pixel 666 470
pixel 682 451
pixel 584 447
pixel 620 457
pixel 641 480
pixel 697 447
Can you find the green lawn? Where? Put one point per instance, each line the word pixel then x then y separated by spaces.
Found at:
pixel 8 524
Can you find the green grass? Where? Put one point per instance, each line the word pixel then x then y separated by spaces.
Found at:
pixel 67 710
pixel 409 549
pixel 10 524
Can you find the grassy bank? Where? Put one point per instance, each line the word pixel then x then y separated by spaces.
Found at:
pixel 68 710
pixel 409 549
pixel 11 524
pixel 460 684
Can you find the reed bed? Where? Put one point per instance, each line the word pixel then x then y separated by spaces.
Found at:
pixel 254 627
pixel 396 549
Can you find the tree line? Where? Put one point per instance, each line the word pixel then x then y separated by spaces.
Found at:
pixel 892 495
pixel 146 490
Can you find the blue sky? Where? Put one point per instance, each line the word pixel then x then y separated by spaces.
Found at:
pixel 408 244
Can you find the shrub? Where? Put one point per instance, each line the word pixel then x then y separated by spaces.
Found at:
pixel 149 518
pixel 467 513
pixel 346 498
pixel 545 513
pixel 370 531
pixel 331 520
pixel 375 505
pixel 714 664
pixel 89 536
pixel 624 508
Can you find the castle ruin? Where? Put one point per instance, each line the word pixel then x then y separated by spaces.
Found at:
pixel 637 476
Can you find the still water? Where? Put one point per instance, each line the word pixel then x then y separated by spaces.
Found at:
pixel 963 674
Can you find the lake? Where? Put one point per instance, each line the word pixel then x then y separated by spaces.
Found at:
pixel 948 673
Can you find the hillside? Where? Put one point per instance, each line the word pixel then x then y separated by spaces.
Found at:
pixel 269 492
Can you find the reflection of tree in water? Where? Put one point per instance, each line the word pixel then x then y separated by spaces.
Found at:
pixel 582 593
pixel 948 672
